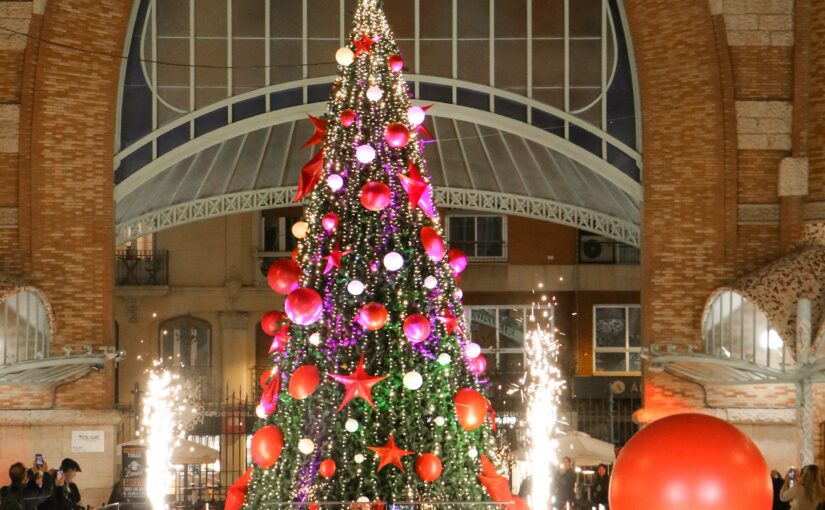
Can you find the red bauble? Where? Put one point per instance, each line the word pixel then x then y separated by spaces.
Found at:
pixel 470 408
pixel 433 244
pixel 375 196
pixel 267 444
pixel 304 306
pixel 690 462
pixel 330 221
pixel 265 378
pixel 416 328
pixel 373 316
pixel 272 321
pixel 303 382
pixel 284 275
pixel 327 468
pixel 236 495
pixel 397 135
pixel 478 364
pixel 458 261
pixel 396 63
pixel 348 117
pixel 428 466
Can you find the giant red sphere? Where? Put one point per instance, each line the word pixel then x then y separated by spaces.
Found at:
pixel 375 196
pixel 267 444
pixel 428 466
pixel 416 328
pixel 327 468
pixel 690 462
pixel 303 382
pixel 396 63
pixel 303 306
pixel 373 316
pixel 458 261
pixel 397 135
pixel 470 408
pixel 433 243
pixel 272 321
pixel 284 275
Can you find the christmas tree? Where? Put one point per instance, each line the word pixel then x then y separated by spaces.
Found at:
pixel 375 391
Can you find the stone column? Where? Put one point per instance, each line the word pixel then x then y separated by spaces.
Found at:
pixel 234 340
pixel 792 190
pixel 804 388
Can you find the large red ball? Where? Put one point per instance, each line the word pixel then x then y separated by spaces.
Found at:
pixel 690 462
pixel 267 444
pixel 303 382
pixel 303 306
pixel 458 261
pixel 428 466
pixel 272 321
pixel 327 468
pixel 265 377
pixel 416 328
pixel 433 244
pixel 375 196
pixel 284 275
pixel 470 408
pixel 397 135
pixel 348 117
pixel 373 316
pixel 396 63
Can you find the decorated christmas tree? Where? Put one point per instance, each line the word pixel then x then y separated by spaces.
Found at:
pixel 375 393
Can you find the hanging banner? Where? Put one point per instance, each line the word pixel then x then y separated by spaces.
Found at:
pixel 134 473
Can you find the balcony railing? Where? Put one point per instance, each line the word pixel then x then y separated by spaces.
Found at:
pixel 142 268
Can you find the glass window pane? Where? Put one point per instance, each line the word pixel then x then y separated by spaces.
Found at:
pixel 635 362
pixel 462 234
pixel 511 363
pixel 483 327
pixel 610 362
pixel 511 328
pixel 610 327
pixel 490 236
pixel 634 327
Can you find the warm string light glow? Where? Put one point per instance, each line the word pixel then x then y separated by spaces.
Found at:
pixel 161 430
pixel 543 387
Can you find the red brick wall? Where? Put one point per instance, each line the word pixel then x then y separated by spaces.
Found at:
pixel 816 112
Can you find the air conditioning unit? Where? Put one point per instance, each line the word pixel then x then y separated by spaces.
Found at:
pixel 595 249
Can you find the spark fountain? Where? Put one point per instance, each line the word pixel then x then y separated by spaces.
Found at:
pixel 161 431
pixel 543 388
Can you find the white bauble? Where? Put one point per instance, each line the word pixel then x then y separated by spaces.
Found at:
pixel 315 339
pixel 355 287
pixel 299 229
pixel 306 446
pixel 359 458
pixel 351 425
pixel 416 115
pixel 440 421
pixel 374 93
pixel 344 56
pixel 473 453
pixel 430 282
pixel 259 411
pixel 363 499
pixel 393 261
pixel 413 380
pixel 365 154
pixel 335 182
pixel 444 359
pixel 472 350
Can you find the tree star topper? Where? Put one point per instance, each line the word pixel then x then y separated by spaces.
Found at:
pixel 359 384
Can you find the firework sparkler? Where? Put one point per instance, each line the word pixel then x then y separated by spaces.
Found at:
pixel 161 432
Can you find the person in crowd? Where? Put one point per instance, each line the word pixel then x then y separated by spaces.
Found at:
pixel 526 488
pixel 62 497
pixel 807 491
pixel 601 486
pixel 566 484
pixel 777 481
pixel 26 485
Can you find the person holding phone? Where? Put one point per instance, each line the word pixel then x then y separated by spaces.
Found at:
pixel 804 490
pixel 64 496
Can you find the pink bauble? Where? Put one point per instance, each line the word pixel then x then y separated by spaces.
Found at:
pixel 478 364
pixel 690 462
pixel 416 328
pixel 348 117
pixel 433 244
pixel 375 196
pixel 397 135
pixel 373 316
pixel 272 321
pixel 458 261
pixel 304 306
pixel 330 221
pixel 396 63
pixel 283 276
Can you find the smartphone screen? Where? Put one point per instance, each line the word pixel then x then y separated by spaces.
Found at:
pixel 38 459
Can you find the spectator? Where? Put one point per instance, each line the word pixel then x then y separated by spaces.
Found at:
pixel 601 487
pixel 526 488
pixel 62 497
pixel 566 484
pixel 12 496
pixel 777 481
pixel 808 490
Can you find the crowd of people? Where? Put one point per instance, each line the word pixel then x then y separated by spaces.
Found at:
pixel 564 492
pixel 41 488
pixel 802 490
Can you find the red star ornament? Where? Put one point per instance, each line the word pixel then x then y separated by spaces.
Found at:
pixel 280 339
pixel 269 399
pixel 363 45
pixel 390 454
pixel 418 191
pixel 334 259
pixel 450 322
pixel 310 176
pixel 320 130
pixel 359 384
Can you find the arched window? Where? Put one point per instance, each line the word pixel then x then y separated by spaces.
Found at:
pixel 25 333
pixel 734 328
pixel 186 342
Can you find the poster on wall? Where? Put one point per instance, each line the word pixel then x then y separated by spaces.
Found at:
pixel 134 473
pixel 88 441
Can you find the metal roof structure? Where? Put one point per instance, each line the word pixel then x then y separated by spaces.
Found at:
pixel 52 370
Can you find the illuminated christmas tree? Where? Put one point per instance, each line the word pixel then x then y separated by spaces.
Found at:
pixel 375 391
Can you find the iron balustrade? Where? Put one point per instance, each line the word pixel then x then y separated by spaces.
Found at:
pixel 142 267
